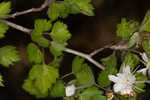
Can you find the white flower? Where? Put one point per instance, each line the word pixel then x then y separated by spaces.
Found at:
pixel 70 90
pixel 123 82
pixel 147 64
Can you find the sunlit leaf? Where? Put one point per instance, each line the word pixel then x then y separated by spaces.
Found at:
pixel 40 80
pixel 34 54
pixel 8 55
pixel 92 93
pixel 5 8
pixel 126 29
pixel 60 32
pixel 85 76
pixel 58 90
pixel 3 29
pixel 77 64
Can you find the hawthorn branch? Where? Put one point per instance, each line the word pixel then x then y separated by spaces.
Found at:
pixel 43 6
pixel 68 50
pixel 83 55
pixel 114 47
pixel 18 27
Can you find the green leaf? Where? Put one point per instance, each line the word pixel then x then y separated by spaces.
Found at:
pixel 60 32
pixel 134 39
pixel 36 37
pixel 146 46
pixel 40 80
pixel 84 6
pixel 5 8
pixel 103 79
pixel 121 97
pixel 130 59
pixel 3 29
pixel 58 90
pixel 92 93
pixel 126 29
pixel 85 77
pixel 99 97
pixel 8 55
pixel 56 62
pixel 77 64
pixel 138 87
pixel 1 81
pixel 57 48
pixel 110 61
pixel 111 68
pixel 34 54
pixel 70 7
pixel 57 10
pixel 42 25
pixel 146 22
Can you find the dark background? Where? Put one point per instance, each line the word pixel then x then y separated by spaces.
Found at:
pixel 88 33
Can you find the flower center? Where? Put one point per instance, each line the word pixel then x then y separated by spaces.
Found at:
pixel 127 80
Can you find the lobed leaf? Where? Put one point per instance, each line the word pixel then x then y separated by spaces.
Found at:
pixel 60 32
pixel 83 6
pixel 42 25
pixel 146 46
pixel 110 61
pixel 36 37
pixel 57 48
pixel 92 93
pixel 130 59
pixel 3 29
pixel 146 22
pixel 40 80
pixel 34 54
pixel 85 76
pixel 77 64
pixel 138 87
pixel 8 55
pixel 126 29
pixel 58 90
pixel 5 9
pixel 111 68
pixel 57 10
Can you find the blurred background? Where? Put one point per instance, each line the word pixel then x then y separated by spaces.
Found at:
pixel 88 34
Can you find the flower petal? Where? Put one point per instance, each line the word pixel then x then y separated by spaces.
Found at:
pixel 126 69
pixel 118 87
pixel 70 90
pixel 144 57
pixel 143 71
pixel 113 78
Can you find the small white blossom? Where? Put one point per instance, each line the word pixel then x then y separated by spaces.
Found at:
pixel 123 82
pixel 70 90
pixel 147 64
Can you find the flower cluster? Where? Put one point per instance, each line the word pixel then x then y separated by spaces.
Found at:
pixel 123 82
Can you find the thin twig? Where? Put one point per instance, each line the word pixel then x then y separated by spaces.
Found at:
pixel 99 50
pixel 43 6
pixel 18 27
pixel 28 31
pixel 66 75
pixel 114 47
pixel 86 56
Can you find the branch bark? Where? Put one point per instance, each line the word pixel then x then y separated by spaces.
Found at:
pixel 68 50
pixel 43 6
